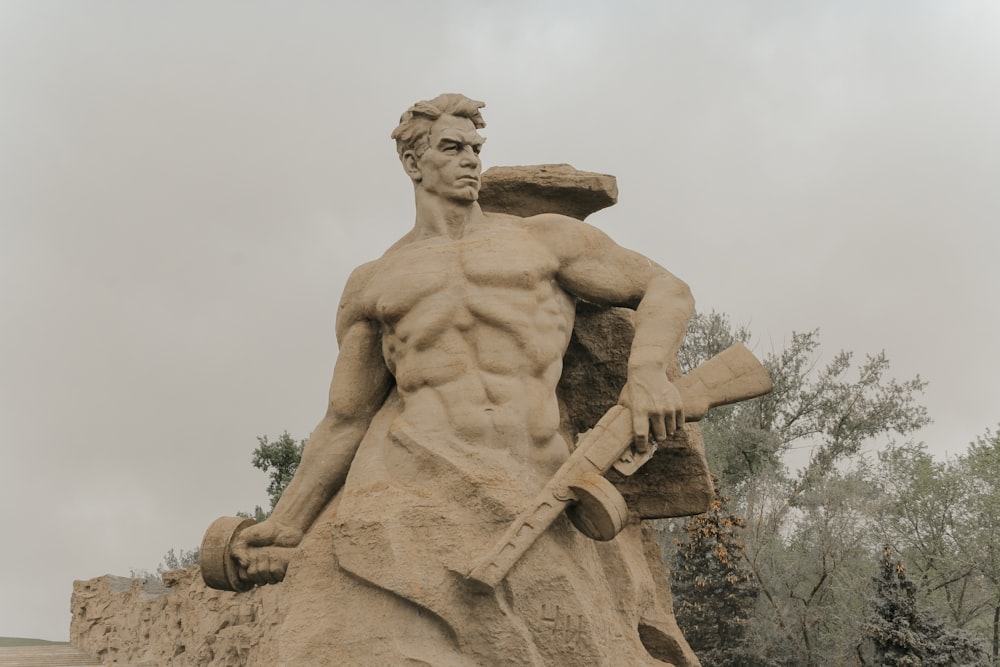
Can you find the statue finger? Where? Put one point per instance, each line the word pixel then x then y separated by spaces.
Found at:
pixel 640 426
pixel 275 568
pixel 671 423
pixel 660 426
pixel 240 553
pixel 242 574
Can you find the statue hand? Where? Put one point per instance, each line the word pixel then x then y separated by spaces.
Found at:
pixel 264 550
pixel 655 404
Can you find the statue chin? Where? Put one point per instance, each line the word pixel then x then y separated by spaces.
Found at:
pixel 467 196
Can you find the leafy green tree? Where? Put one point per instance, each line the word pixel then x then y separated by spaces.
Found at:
pixel 743 443
pixel 832 410
pixel 808 532
pixel 926 517
pixel 172 560
pixel 905 635
pixel 178 560
pixel 280 459
pixel 944 518
pixel 714 593
pixel 981 474
pixel 706 336
pixel 812 564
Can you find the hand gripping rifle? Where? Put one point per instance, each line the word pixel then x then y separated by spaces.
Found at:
pixel 591 502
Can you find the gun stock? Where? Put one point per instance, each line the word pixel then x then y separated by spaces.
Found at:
pixel 731 376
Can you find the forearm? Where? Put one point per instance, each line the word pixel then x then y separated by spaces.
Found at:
pixel 661 320
pixel 325 461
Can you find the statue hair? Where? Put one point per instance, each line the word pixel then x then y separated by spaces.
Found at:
pixel 414 125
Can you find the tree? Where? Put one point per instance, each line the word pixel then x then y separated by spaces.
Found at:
pixel 981 472
pixel 812 564
pixel 172 560
pixel 180 560
pixel 808 531
pixel 943 517
pixel 714 592
pixel 833 410
pixel 743 442
pixel 906 635
pixel 280 459
pixel 926 517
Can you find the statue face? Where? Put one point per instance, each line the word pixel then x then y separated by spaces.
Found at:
pixel 450 167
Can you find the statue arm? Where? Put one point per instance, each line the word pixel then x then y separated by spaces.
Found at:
pixel 596 269
pixel 360 384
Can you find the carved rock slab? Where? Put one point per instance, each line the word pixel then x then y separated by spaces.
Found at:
pixel 546 188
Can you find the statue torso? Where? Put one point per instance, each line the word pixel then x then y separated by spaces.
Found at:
pixel 474 330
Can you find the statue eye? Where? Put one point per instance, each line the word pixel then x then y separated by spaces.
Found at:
pixel 476 148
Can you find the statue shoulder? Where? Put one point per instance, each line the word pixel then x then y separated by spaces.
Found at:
pixel 567 236
pixel 504 219
pixel 542 224
pixel 553 220
pixel 356 300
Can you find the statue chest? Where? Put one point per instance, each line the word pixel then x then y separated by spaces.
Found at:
pixel 504 265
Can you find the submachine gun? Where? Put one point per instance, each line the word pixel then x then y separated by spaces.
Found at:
pixel 579 487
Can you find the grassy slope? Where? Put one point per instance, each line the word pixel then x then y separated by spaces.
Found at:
pixel 24 641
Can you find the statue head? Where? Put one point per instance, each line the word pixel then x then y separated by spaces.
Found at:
pixel 415 124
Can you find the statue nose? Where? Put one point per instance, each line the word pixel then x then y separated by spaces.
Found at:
pixel 469 157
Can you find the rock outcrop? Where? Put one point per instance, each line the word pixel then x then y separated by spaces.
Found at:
pixel 180 622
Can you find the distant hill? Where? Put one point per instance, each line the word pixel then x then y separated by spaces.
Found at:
pixel 26 641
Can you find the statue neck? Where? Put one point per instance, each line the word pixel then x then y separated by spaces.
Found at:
pixel 437 216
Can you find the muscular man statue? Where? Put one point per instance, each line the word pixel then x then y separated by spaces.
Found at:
pixel 443 422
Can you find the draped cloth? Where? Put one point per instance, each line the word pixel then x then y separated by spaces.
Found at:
pixel 379 577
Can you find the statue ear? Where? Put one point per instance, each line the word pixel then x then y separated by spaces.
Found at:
pixel 410 166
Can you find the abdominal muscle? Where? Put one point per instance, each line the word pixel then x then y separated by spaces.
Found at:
pixel 507 402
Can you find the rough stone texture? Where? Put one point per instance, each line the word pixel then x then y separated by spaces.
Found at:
pixel 132 621
pixel 675 482
pixel 546 188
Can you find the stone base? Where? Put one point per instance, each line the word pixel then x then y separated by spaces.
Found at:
pixel 139 622
pixel 121 621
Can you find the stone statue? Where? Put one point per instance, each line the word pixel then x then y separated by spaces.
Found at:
pixel 444 512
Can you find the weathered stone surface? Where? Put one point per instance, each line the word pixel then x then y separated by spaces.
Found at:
pixel 546 188
pixel 132 621
pixel 675 482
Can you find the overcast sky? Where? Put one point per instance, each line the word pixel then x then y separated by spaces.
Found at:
pixel 185 186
